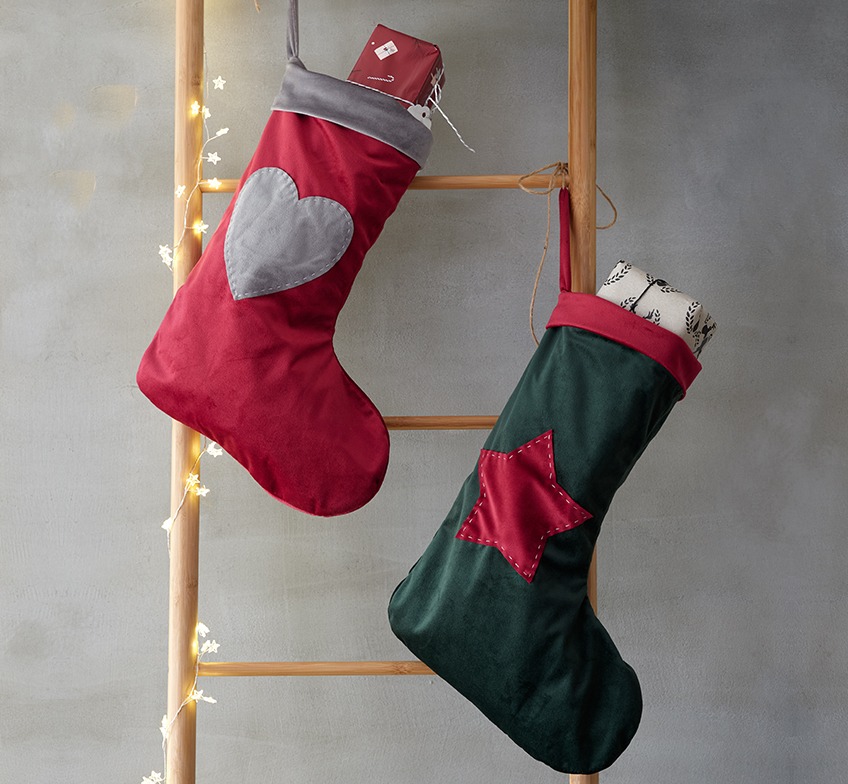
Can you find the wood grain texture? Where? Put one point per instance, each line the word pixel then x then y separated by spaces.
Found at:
pixel 336 668
pixel 582 161
pixel 440 422
pixel 185 443
pixel 582 139
pixel 434 182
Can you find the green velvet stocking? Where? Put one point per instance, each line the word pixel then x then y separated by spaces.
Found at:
pixel 497 605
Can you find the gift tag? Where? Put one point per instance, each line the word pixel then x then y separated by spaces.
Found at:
pixel 386 50
pixel 421 113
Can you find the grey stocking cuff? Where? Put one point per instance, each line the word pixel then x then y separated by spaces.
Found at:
pixel 354 107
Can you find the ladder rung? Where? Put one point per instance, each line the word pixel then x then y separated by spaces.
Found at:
pixel 440 422
pixel 433 182
pixel 231 669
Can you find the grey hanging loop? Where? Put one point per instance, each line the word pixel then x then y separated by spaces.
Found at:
pixel 293 33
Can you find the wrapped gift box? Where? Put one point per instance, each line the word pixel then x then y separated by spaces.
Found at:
pixel 654 299
pixel 400 65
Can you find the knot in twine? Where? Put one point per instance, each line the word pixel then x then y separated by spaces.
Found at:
pixel 558 178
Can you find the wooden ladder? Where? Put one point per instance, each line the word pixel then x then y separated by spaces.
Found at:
pixel 185 443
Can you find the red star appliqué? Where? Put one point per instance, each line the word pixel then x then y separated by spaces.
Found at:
pixel 521 504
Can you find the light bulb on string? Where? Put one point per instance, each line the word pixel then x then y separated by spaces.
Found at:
pixel 194 695
pixel 192 483
pixel 196 109
pixel 193 486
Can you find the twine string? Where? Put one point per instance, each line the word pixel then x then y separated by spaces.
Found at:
pixel 432 101
pixel 614 210
pixel 559 178
pixel 435 100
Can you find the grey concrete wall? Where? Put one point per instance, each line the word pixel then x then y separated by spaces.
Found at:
pixel 722 139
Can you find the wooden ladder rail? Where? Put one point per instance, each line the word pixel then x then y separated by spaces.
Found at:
pixel 440 182
pixel 582 163
pixel 185 443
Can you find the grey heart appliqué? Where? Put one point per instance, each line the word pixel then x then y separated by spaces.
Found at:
pixel 276 240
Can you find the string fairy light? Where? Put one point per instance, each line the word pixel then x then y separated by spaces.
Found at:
pixel 193 486
pixel 195 695
pixel 192 483
pixel 196 109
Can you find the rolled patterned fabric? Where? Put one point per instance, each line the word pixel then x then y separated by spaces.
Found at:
pixel 654 299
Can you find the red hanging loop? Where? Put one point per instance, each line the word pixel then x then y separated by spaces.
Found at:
pixel 564 240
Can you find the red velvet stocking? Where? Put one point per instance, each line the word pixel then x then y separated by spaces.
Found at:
pixel 245 353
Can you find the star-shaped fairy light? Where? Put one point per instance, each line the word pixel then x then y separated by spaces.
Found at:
pixel 210 646
pixel 213 157
pixel 165 253
pixel 219 83
pixel 521 504
pixel 197 695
